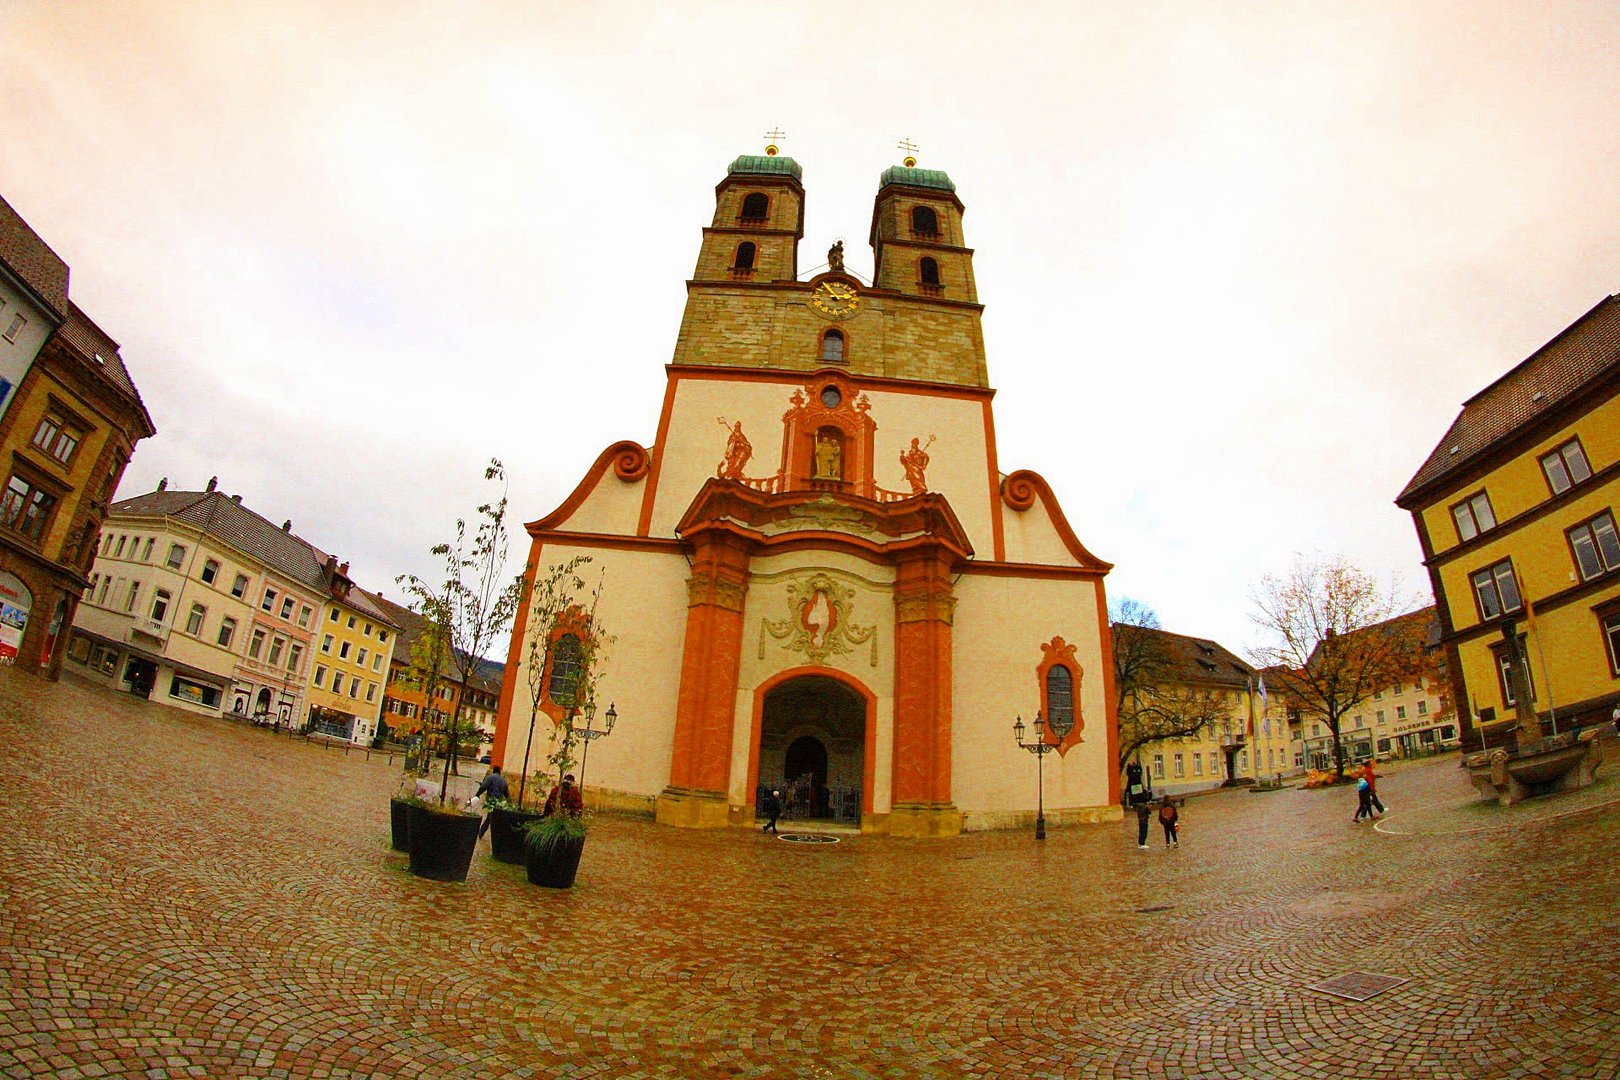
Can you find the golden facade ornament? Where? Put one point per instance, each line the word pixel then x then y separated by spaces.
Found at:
pixel 819 621
pixel 915 464
pixel 738 451
pixel 830 514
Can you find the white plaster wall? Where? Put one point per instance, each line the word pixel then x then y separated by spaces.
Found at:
pixel 612 507
pixel 1000 626
pixel 959 459
pixel 1030 536
pixel 695 443
pixel 644 606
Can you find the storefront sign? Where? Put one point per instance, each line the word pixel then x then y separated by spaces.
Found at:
pixel 15 603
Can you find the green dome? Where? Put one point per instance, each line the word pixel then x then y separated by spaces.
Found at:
pixel 761 165
pixel 931 178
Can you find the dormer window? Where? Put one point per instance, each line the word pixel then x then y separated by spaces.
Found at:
pixel 755 208
pixel 924 222
pixel 832 346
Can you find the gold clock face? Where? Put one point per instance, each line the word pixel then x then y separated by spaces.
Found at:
pixel 835 299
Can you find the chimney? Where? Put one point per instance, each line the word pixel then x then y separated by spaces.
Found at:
pixel 286 526
pixel 237 499
pixel 331 564
pixel 213 482
pixel 344 569
pixel 163 484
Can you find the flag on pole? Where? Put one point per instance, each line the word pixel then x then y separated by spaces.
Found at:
pixel 1251 707
pixel 1264 707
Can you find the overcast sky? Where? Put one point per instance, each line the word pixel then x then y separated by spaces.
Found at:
pixel 1241 262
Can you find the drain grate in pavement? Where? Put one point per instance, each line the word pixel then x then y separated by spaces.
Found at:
pixel 1358 985
pixel 1156 908
pixel 808 838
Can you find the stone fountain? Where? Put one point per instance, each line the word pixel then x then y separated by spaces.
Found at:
pixel 1537 765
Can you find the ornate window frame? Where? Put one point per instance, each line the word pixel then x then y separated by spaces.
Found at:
pixel 1059 653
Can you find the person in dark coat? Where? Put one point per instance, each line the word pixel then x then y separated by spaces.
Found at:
pixel 773 810
pixel 565 797
pixel 1144 814
pixel 493 785
pixel 1169 817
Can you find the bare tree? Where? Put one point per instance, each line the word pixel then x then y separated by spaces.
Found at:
pixel 1337 638
pixel 1152 703
pixel 475 602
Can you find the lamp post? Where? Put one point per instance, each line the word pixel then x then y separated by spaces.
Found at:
pixel 589 733
pixel 1040 748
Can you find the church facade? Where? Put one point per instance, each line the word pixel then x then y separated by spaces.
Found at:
pixel 818 575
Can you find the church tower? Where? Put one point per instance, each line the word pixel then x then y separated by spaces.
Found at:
pixel 758 223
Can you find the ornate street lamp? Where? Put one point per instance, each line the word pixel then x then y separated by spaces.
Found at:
pixel 589 733
pixel 1040 748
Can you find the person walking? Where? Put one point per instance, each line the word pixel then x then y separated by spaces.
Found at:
pixel 1369 774
pixel 773 810
pixel 1144 814
pixel 1169 817
pixel 1133 784
pixel 1363 802
pixel 493 785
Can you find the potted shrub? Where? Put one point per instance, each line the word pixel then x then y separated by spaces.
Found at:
pixel 399 817
pixel 553 846
pixel 506 822
pixel 442 839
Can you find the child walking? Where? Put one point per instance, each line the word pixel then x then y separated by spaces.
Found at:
pixel 1168 816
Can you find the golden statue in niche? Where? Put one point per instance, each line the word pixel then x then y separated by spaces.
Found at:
pixel 829 457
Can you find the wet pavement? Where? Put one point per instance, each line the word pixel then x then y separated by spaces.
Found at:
pixel 183 896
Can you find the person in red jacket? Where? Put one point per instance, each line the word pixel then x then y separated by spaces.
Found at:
pixel 565 797
pixel 1372 786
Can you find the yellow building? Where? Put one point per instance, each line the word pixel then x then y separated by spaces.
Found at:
pixel 351 660
pixel 818 572
pixel 1515 513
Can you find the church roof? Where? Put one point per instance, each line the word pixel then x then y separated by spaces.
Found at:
pixel 762 165
pixel 929 178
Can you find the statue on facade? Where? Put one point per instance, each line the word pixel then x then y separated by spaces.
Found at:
pixel 835 257
pixel 738 451
pixel 915 463
pixel 829 454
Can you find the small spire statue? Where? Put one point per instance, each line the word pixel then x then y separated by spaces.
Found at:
pixel 835 256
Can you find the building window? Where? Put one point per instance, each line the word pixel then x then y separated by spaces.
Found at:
pixel 277 644
pixel 928 272
pixel 1198 764
pixel 566 655
pixel 26 508
pixel 343 651
pixel 1505 681
pixel 119 554
pixel 210 571
pixel 295 656
pixel 194 621
pixel 360 658
pixel 924 222
pixel 755 208
pixel 1059 700
pixel 326 643
pixel 1595 546
pixel 371 692
pixel 333 615
pixel 303 615
pixel 1423 708
pixel 832 346
pixel 286 607
pixel 320 674
pixel 337 682
pixel 160 602
pixel 57 439
pixel 744 259
pixel 1565 466
pixel 1611 638
pixel 353 622
pixel 134 591
pixel 177 555
pixel 1380 719
pixel 146 556
pixel 1400 712
pixel 256 644
pixel 239 586
pixel 368 629
pixel 1158 766
pixel 376 661
pixel 269 603
pixel 1181 765
pixel 1495 590
pixel 382 635
pixel 17 323
pixel 194 693
pixel 227 630
pixel 1473 516
pixel 354 686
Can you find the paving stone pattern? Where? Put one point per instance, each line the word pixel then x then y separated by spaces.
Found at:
pixel 182 896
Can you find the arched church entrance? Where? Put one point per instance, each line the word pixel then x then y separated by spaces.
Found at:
pixel 812 748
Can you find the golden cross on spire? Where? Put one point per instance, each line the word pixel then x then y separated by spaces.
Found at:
pixel 911 152
pixel 771 138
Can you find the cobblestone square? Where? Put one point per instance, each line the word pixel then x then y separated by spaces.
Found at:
pixel 192 897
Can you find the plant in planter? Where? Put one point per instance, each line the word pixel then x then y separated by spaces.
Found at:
pixel 399 814
pixel 472 606
pixel 506 822
pixel 554 844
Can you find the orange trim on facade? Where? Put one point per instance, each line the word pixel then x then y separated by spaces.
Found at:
pixel 998 543
pixel 514 654
pixel 756 733
pixel 923 604
pixel 1022 488
pixel 650 493
pixel 571 620
pixel 710 664
pixel 796 378
pixel 986 568
pixel 1110 714
pixel 630 463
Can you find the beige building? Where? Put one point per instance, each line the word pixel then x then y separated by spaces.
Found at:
pixel 820 572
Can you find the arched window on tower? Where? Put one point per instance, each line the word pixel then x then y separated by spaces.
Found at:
pixel 832 346
pixel 1059 700
pixel 924 222
pixel 565 667
pixel 928 273
pixel 754 208
pixel 744 262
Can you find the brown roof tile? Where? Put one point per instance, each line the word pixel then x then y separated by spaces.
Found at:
pixel 1586 349
pixel 1197 660
pixel 32 260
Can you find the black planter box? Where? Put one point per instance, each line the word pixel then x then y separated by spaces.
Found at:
pixel 555 865
pixel 442 844
pixel 506 834
pixel 399 819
